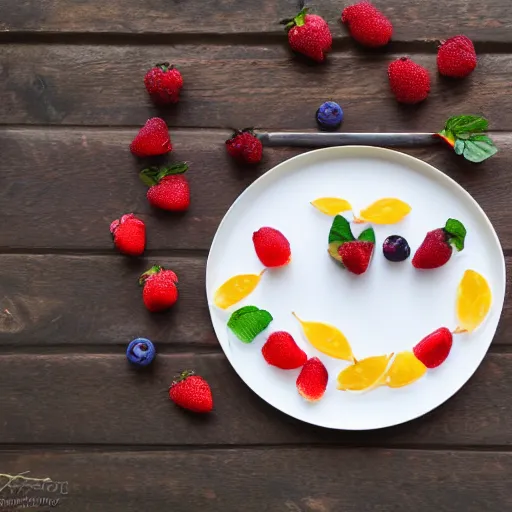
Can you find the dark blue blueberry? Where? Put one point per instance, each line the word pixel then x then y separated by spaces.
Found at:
pixel 396 248
pixel 329 116
pixel 140 352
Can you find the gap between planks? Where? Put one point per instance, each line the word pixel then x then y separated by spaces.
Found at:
pixel 340 43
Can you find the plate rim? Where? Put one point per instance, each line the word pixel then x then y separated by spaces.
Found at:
pixel 376 151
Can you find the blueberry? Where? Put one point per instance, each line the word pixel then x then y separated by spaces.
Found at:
pixel 329 116
pixel 140 352
pixel 396 248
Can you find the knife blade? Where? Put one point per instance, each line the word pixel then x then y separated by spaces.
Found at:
pixel 321 139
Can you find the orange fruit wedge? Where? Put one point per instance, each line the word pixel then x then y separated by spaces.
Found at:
pixel 364 374
pixel 474 299
pixel 388 210
pixel 327 339
pixel 235 289
pixel 404 370
pixel 331 205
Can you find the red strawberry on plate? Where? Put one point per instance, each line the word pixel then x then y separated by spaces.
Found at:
pixel 168 187
pixel 191 392
pixel 282 351
pixel 160 290
pixel 434 348
pixel 356 255
pixel 409 81
pixel 312 380
pixel 437 248
pixel 244 146
pixel 367 25
pixel 163 83
pixel 272 247
pixel 309 34
pixel 152 139
pixel 129 233
pixel 456 57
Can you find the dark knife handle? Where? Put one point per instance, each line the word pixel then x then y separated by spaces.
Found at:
pixel 317 140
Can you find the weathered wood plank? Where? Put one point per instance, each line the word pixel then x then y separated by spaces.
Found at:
pixel 227 86
pixel 273 480
pixel 71 300
pixel 50 300
pixel 488 20
pixel 61 189
pixel 98 399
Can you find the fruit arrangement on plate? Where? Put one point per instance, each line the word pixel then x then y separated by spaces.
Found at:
pixel 354 255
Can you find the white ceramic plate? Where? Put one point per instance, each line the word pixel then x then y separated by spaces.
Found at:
pixel 388 309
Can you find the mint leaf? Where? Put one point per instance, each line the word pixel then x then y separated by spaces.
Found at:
pixel 368 235
pixel 247 322
pixel 340 230
pixel 466 124
pixel 456 233
pixel 478 148
pixel 459 146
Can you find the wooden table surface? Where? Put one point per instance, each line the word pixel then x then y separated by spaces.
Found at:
pixel 71 101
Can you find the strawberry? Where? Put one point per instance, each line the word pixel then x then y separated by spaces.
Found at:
pixel 437 249
pixel 168 188
pixel 409 81
pixel 160 290
pixel 152 139
pixel 163 83
pixel 309 34
pixel 191 392
pixel 312 380
pixel 129 233
pixel 434 348
pixel 282 351
pixel 456 57
pixel 367 25
pixel 244 146
pixel 272 247
pixel 356 255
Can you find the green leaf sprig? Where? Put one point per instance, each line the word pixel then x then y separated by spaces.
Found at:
pixel 465 134
pixel 247 322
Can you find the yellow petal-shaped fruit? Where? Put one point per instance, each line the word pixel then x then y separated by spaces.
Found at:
pixel 331 205
pixel 235 289
pixel 386 211
pixel 327 339
pixel 474 300
pixel 364 374
pixel 404 370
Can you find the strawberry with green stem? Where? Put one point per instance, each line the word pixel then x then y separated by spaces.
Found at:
pixel 168 187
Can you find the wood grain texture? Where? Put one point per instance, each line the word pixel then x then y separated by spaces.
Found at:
pixel 60 189
pixel 236 86
pixel 96 300
pixel 488 20
pixel 98 399
pixel 277 480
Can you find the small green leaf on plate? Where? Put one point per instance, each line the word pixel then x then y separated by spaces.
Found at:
pixel 340 230
pixel 456 233
pixel 368 235
pixel 247 322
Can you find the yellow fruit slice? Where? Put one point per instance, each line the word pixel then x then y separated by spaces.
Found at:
pixel 474 300
pixel 235 289
pixel 364 374
pixel 331 205
pixel 404 370
pixel 327 339
pixel 385 211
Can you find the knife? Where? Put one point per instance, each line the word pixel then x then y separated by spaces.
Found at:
pixel 321 139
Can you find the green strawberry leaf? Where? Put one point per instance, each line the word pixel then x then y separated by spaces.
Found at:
pixel 340 230
pixel 368 235
pixel 466 124
pixel 456 233
pixel 247 322
pixel 479 147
